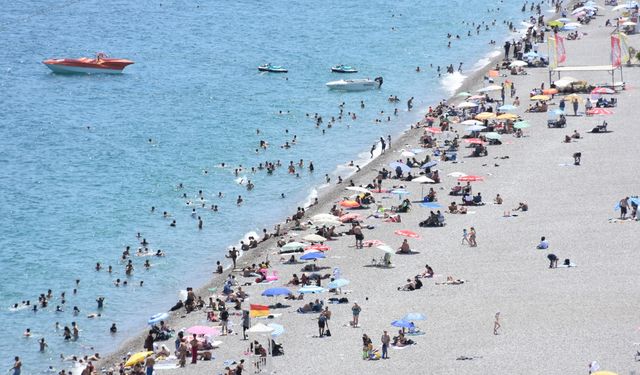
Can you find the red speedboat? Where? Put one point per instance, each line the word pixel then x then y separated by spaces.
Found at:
pixel 101 64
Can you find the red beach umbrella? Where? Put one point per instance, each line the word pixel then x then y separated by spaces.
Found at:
pixel 599 111
pixel 407 233
pixel 318 248
pixel 602 90
pixel 350 217
pixel 475 141
pixel 433 130
pixel 470 178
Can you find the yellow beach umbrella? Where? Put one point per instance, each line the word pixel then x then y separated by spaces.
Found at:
pixel 540 97
pixel 604 373
pixel 137 358
pixel 507 116
pixel 485 115
pixel 555 23
pixel 574 97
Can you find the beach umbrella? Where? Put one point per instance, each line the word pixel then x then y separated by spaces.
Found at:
pixel 260 328
pixel 555 23
pixel 396 164
pixel 354 188
pixel 628 23
pixel 401 323
pixel 599 111
pixel 311 289
pixel 507 116
pixel 477 97
pixel 318 247
pixel 433 130
pixel 490 88
pixel 456 174
pixel 540 97
pixel 519 63
pixel 573 24
pixel 137 358
pixel 327 221
pixel 314 238
pixel 292 246
pixel 386 249
pixel 350 217
pixel 423 179
pixel 602 90
pixel 507 107
pixel 324 216
pixel 349 204
pixel 567 28
pixel 475 128
pixel 400 192
pixel 623 6
pixel 313 255
pixel 462 94
pixel 414 316
pixel 407 154
pixel 531 54
pixel 417 150
pixel 474 141
pixel 470 178
pixel 338 283
pixel 574 97
pixel 431 205
pixel 493 135
pixel 157 318
pixel 550 91
pixel 604 373
pixel 564 19
pixel 471 122
pixel 429 164
pixel 526 24
pixel 407 233
pixel 277 329
pixel 203 330
pixel 521 125
pixel 485 116
pixel 467 105
pixel 272 292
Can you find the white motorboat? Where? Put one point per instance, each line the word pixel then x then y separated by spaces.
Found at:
pixel 355 84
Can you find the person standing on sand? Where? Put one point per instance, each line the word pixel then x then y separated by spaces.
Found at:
pixel 233 254
pixel 472 237
pixel 246 323
pixel 385 345
pixel 624 206
pixel 496 324
pixel 148 342
pixel 194 349
pixel 574 102
pixel 355 309
pixel 357 232
pixel 149 362
pixel 182 352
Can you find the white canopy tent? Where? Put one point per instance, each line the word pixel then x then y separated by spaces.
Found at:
pixel 591 68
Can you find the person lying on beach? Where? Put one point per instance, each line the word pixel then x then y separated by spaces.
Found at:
pixel 455 209
pixel 411 284
pixel 452 281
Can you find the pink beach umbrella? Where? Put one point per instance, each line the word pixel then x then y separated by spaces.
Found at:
pixel 602 90
pixel 599 111
pixel 407 233
pixel 371 243
pixel 470 178
pixel 474 141
pixel 318 248
pixel 203 330
pixel 350 217
pixel 433 130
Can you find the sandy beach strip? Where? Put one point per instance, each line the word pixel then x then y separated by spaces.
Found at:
pixel 553 320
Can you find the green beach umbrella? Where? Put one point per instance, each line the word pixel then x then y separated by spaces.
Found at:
pixel 521 125
pixel 555 23
pixel 464 93
pixel 493 135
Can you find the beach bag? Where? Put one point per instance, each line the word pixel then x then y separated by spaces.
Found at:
pixel 327 333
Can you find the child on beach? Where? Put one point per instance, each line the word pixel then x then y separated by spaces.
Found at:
pixel 465 237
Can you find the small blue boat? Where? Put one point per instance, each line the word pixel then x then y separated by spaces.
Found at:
pixel 272 68
pixel 343 69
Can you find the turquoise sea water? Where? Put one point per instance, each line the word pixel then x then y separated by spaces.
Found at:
pixel 78 174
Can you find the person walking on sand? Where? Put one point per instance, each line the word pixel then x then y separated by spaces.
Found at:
pixel 246 323
pixel 322 321
pixel 355 309
pixel 496 324
pixel 385 345
pixel 357 232
pixel 465 237
pixel 574 103
pixel 472 237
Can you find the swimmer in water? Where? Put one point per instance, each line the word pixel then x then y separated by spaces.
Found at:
pixel 239 200
pixel 27 332
pixel 94 315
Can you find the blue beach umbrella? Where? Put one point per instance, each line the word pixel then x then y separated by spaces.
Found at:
pixel 531 54
pixel 311 289
pixel 430 164
pixel 396 164
pixel 157 318
pixel 414 316
pixel 417 150
pixel 402 323
pixel 338 283
pixel 430 205
pixel 313 255
pixel 272 292
pixel 507 107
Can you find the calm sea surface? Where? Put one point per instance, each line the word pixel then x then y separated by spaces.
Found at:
pixel 78 174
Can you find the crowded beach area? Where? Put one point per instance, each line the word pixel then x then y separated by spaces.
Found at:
pixel 497 234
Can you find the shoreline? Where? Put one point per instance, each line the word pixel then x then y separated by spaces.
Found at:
pixel 325 196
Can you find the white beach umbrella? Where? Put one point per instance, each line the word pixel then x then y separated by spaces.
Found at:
pixel 407 154
pixel 519 63
pixel 422 179
pixel 467 105
pixel 328 216
pixel 314 238
pixel 457 174
pixel 490 88
pixel 628 23
pixel 471 122
pixel 260 328
pixel 355 188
